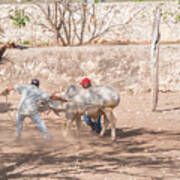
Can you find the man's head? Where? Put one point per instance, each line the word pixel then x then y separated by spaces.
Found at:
pixel 35 82
pixel 86 83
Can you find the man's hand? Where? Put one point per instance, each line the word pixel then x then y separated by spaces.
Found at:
pixel 56 98
pixel 5 92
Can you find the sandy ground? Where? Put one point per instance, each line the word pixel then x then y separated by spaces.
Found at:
pixel 147 145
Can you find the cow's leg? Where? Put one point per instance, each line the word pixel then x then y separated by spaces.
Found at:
pixel 112 119
pixel 78 124
pixel 104 124
pixel 113 126
pixel 68 124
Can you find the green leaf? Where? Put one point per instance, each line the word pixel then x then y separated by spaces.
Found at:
pixel 19 18
pixel 26 18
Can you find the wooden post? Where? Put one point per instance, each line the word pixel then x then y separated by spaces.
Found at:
pixel 155 59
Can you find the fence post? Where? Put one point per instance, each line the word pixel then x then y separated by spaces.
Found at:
pixel 155 59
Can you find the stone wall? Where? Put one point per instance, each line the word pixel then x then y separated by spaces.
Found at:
pixel 134 20
pixel 126 67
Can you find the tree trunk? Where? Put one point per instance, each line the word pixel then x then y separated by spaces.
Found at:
pixel 155 59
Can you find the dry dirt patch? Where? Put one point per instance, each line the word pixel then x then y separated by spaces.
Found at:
pixel 147 145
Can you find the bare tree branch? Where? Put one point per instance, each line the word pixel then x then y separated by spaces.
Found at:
pixel 46 27
pixel 70 23
pixel 75 29
pixel 45 14
pixel 84 10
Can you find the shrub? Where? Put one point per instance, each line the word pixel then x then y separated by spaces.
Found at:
pixel 19 18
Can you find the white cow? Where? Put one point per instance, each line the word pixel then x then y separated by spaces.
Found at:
pixel 94 101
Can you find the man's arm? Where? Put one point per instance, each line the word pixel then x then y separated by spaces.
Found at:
pixel 57 98
pixel 11 88
pixel 7 91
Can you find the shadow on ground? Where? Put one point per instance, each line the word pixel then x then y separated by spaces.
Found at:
pixel 127 151
pixel 168 109
pixel 5 107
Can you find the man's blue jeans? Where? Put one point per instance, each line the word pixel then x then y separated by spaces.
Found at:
pixel 35 118
pixel 95 126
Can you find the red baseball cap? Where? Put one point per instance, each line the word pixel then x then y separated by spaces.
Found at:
pixel 85 80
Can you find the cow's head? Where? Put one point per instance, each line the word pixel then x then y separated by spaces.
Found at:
pixel 71 91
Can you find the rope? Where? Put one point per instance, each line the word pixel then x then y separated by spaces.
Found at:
pixel 6 101
pixel 9 114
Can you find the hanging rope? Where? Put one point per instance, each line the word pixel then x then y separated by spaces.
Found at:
pixel 8 111
pixel 6 102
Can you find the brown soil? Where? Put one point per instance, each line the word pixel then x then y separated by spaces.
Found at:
pixel 147 145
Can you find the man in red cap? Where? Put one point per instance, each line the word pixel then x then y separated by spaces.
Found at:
pixel 86 83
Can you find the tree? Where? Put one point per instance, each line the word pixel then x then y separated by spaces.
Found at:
pixel 70 22
pixel 77 23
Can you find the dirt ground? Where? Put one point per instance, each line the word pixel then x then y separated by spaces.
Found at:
pixel 147 145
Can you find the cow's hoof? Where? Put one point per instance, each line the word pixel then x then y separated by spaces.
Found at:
pixel 101 134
